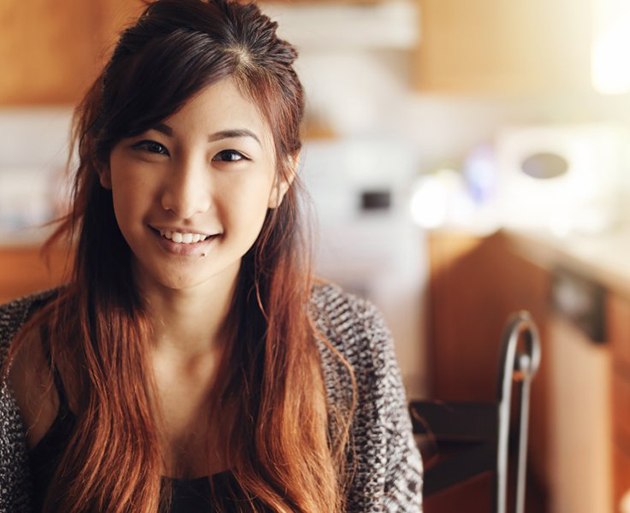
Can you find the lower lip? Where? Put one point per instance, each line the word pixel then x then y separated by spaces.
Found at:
pixel 201 248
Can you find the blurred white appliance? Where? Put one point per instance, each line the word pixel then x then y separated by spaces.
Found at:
pixel 566 178
pixel 366 239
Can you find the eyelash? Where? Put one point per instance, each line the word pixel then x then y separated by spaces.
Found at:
pixel 156 147
pixel 233 153
pixel 151 147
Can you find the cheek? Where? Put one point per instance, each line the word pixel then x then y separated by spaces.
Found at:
pixel 258 198
pixel 245 195
pixel 131 197
pixel 244 208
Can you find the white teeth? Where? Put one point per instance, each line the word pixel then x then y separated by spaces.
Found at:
pixel 183 238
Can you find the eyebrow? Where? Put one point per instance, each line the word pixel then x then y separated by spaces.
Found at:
pixel 217 136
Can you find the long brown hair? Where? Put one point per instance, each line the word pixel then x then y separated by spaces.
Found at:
pixel 280 445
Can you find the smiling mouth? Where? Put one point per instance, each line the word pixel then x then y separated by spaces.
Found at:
pixel 184 237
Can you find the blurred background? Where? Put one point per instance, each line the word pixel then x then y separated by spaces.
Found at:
pixel 465 158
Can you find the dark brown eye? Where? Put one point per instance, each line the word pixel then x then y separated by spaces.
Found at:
pixel 151 147
pixel 229 156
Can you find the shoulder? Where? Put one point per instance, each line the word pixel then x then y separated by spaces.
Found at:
pixel 345 318
pixel 357 338
pixel 354 327
pixel 14 480
pixel 386 464
pixel 331 304
pixel 14 314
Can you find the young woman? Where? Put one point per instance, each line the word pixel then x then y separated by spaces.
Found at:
pixel 191 364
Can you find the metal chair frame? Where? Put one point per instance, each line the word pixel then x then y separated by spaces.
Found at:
pixel 477 434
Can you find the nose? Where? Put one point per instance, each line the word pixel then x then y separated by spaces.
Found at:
pixel 187 191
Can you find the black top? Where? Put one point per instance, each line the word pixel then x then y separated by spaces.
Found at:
pixel 188 495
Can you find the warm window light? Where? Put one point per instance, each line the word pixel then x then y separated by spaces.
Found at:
pixel 441 199
pixel 428 203
pixel 611 47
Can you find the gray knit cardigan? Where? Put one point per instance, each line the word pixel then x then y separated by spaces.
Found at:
pixel 388 475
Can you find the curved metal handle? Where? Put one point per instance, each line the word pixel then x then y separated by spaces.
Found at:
pixel 520 366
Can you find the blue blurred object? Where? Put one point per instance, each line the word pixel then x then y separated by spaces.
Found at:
pixel 480 174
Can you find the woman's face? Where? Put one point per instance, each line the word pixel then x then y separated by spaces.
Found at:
pixel 191 193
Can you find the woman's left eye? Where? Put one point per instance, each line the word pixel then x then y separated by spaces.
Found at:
pixel 229 156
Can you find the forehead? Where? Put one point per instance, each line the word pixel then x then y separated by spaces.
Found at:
pixel 221 106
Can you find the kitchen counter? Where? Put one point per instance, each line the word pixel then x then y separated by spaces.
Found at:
pixel 604 258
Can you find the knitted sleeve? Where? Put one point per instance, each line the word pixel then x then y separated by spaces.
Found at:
pixel 387 465
pixel 382 395
pixel 15 484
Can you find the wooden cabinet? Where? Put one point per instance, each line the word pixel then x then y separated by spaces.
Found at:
pixel 475 284
pixel 504 46
pixel 47 50
pixel 618 320
pixel 23 270
pixel 114 16
pixel 51 51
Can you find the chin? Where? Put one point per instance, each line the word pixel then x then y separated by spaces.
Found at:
pixel 174 278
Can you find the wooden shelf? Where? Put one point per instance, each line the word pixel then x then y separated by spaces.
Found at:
pixel 52 51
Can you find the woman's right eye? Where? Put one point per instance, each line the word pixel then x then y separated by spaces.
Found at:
pixel 151 147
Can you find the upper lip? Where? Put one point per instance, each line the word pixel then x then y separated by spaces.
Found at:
pixel 183 230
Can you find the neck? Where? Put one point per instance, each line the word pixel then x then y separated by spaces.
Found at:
pixel 189 323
